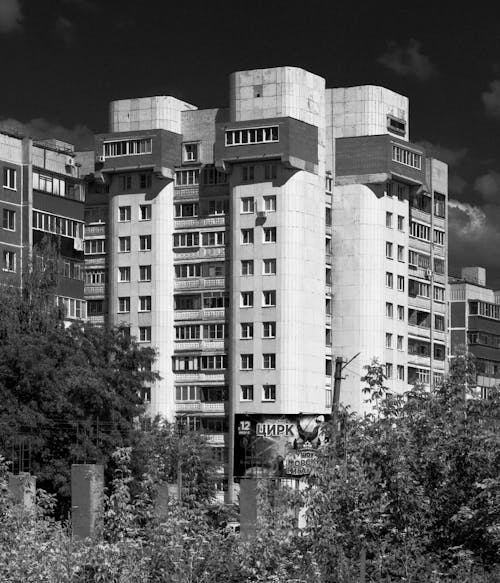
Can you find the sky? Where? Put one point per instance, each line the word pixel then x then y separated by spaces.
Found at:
pixel 63 61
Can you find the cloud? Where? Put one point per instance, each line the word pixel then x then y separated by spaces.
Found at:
pixel 488 185
pixel 408 61
pixel 491 99
pixel 456 184
pixel 452 156
pixel 65 29
pixel 10 16
pixel 80 135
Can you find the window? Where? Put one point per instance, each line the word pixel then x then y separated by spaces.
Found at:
pixel 247 173
pixel 144 333
pixel 215 300
pixel 252 136
pixel 388 220
pixel 389 310
pixel 214 331
pixel 246 236
pixel 57 186
pixel 439 293
pixel 125 181
pixel 395 125
pixel 269 266
pixel 95 307
pixel 269 392
pixel 438 237
pixel 421 260
pixel 218 207
pixel 406 157
pixel 127 147
pixel 145 180
pixel 439 265
pixel 9 261
pixel 95 247
pixel 145 212
pixel 246 362
pixel 187 393
pixel 269 361
pixel 246 393
pixel 401 372
pixel 57 225
pixel 123 305
pixel 268 329
pixel 72 307
pixel 213 238
pixel 439 205
pixel 183 270
pixel 400 343
pixel 401 223
pixel 189 332
pixel 124 244
pixel 216 362
pixel 214 269
pixel 124 274
pixel 401 283
pixel 388 370
pixel 388 250
pixel 269 234
pixel 247 267
pixel 388 340
pixel 9 178
pixel 389 279
pixel 247 204
pixel 439 323
pixel 401 253
pixel 144 303
pixel 95 276
pixel 145 242
pixel 270 171
pixel 187 177
pixel 190 152
pixel 9 220
pixel 270 203
pixel 420 231
pixel 212 176
pixel 189 209
pixel 269 298
pixel 247 299
pixel 246 331
pixel 144 272
pixel 124 214
pixel 186 239
pixel 401 313
pixel 419 288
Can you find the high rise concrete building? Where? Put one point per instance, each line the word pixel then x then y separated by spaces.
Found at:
pixel 42 196
pixel 475 324
pixel 250 244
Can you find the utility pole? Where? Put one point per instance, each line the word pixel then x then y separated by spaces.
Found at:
pixel 337 379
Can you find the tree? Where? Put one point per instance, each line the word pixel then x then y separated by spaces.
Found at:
pixel 68 395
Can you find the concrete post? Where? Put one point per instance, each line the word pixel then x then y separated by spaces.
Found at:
pixel 87 491
pixel 22 488
pixel 248 507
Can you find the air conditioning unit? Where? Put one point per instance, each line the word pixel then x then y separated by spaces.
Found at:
pixel 101 159
pixel 70 162
pixel 428 273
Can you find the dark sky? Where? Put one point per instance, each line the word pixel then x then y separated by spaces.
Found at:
pixel 62 61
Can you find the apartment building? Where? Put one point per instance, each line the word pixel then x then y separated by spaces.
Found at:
pixel 389 244
pixel 42 196
pixel 252 243
pixel 475 324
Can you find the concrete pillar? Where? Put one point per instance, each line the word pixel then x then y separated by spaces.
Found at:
pixel 22 488
pixel 87 491
pixel 248 507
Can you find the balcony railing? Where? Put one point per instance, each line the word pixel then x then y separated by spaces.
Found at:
pixel 206 314
pixel 194 223
pixel 200 253
pixel 196 283
pixel 199 345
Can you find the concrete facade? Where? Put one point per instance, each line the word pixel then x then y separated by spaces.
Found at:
pixel 273 225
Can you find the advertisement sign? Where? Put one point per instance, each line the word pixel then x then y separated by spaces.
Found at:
pixel 276 446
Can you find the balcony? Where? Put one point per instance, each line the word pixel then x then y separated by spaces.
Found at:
pixel 92 291
pixel 95 230
pixel 199 407
pixel 197 283
pixel 196 223
pixel 186 193
pixel 206 314
pixel 201 253
pixel 199 377
pixel 215 438
pixel 199 345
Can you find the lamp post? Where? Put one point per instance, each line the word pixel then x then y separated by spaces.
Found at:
pixel 181 427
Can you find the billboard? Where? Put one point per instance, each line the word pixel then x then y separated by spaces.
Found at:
pixel 276 446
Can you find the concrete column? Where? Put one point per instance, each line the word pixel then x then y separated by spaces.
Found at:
pixel 87 490
pixel 22 488
pixel 248 507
